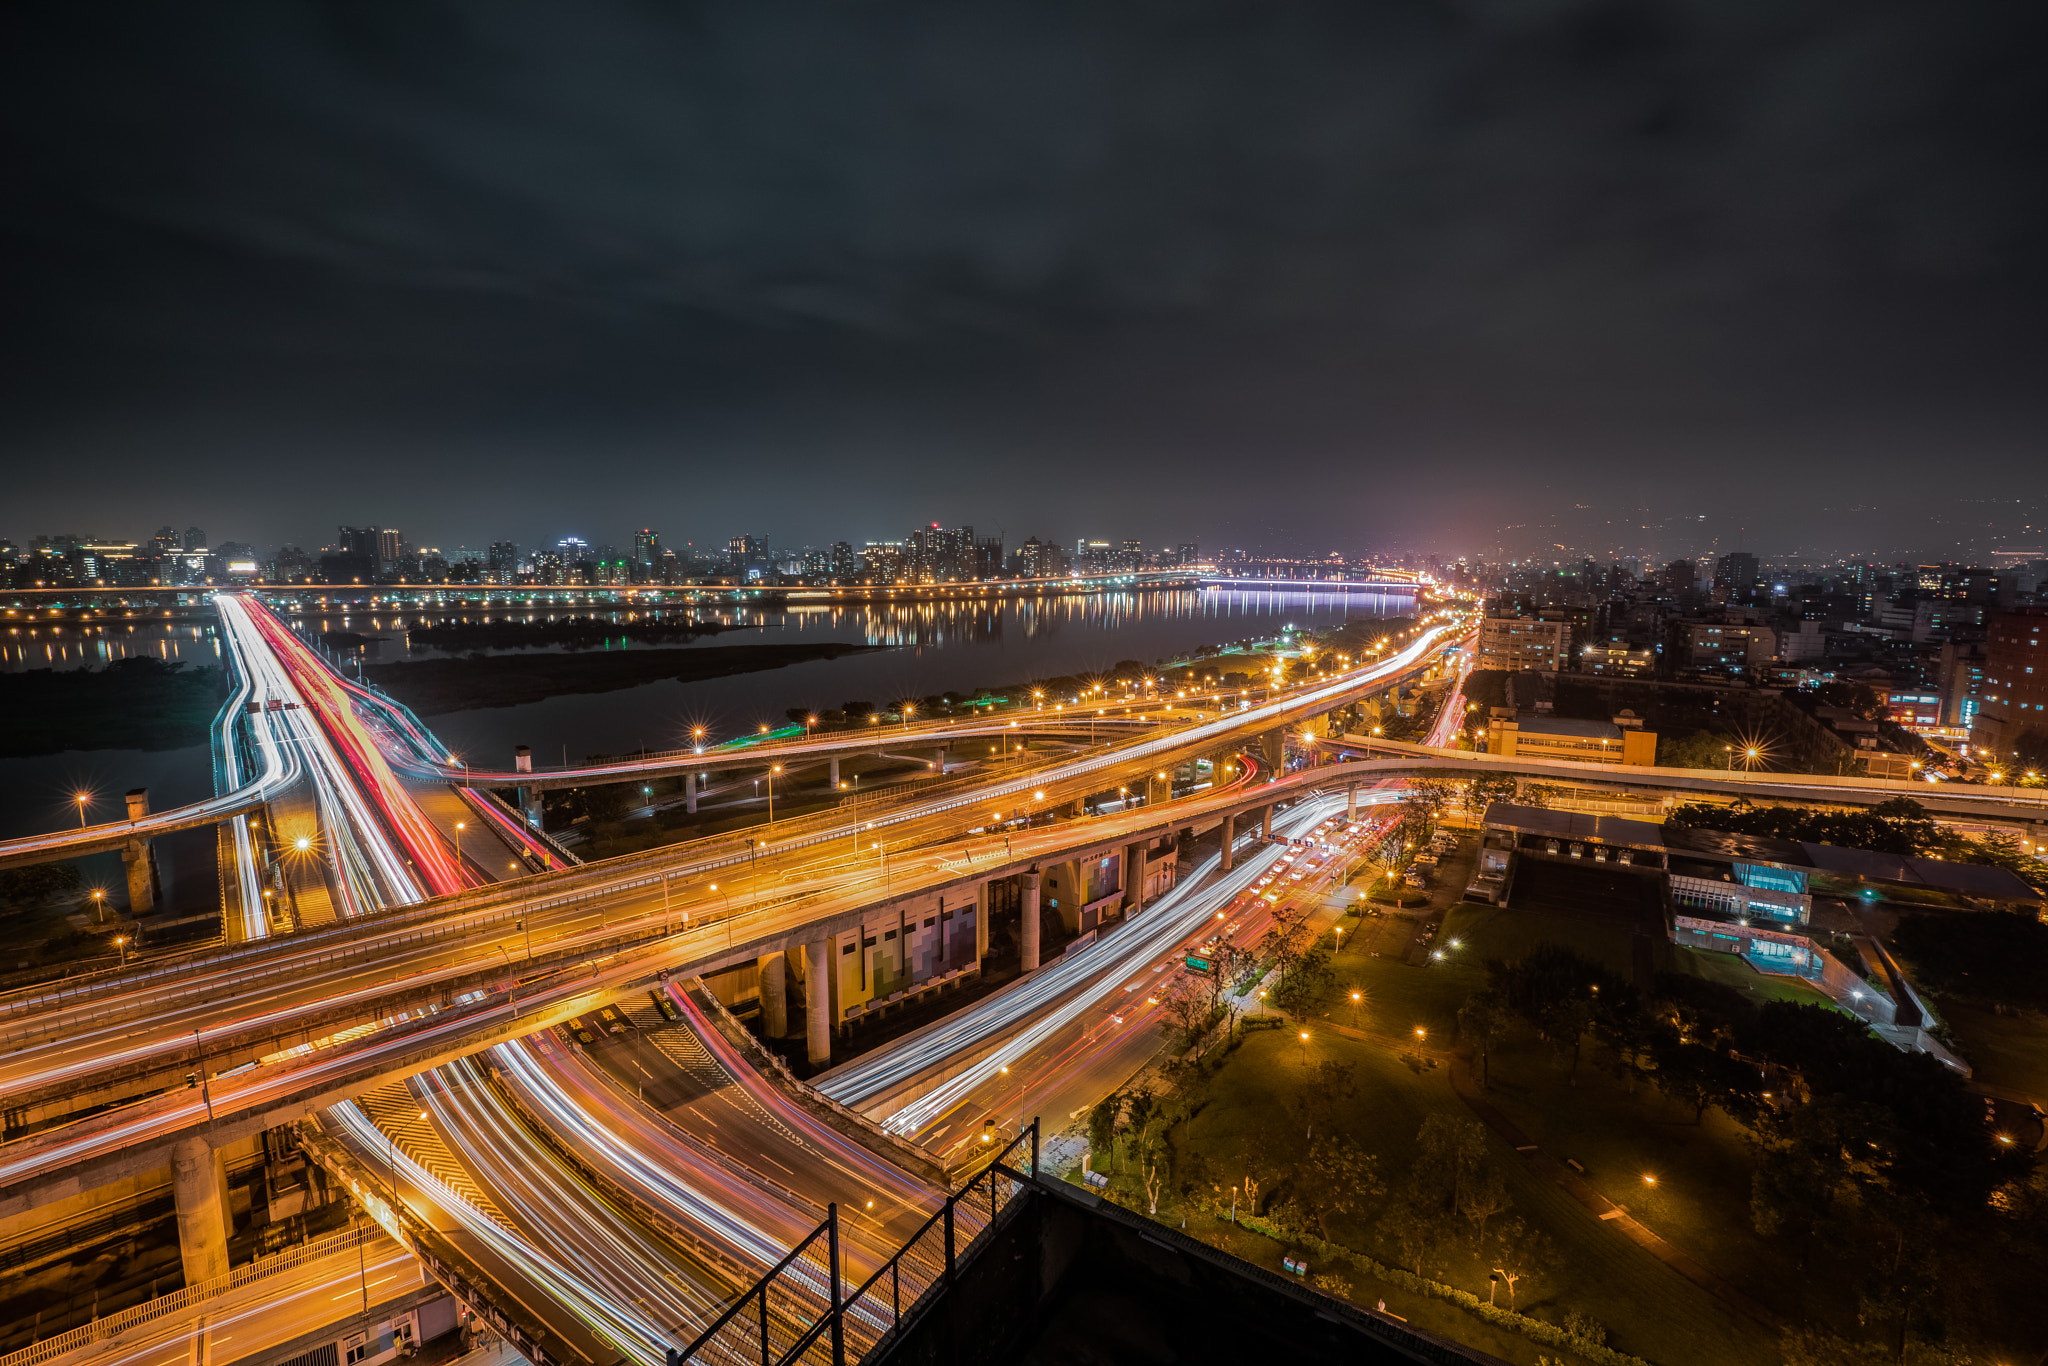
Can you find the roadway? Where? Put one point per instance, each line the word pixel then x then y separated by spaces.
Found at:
pixel 214 994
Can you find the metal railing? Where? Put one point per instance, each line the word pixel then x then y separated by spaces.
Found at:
pixel 797 1313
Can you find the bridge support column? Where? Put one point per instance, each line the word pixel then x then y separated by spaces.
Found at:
pixel 818 1001
pixel 939 759
pixel 833 782
pixel 1137 871
pixel 138 858
pixel 1351 806
pixel 1029 937
pixel 1229 841
pixel 690 792
pixel 1266 823
pixel 197 1190
pixel 774 995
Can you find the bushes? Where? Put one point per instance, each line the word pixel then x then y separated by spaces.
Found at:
pixel 1536 1330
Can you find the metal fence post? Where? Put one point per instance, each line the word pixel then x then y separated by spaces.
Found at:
pixel 832 1250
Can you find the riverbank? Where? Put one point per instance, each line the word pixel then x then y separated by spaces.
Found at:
pixel 434 687
pixel 138 703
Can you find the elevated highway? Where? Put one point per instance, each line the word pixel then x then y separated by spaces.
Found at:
pixel 607 937
pixel 438 980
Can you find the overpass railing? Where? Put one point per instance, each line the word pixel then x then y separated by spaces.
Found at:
pixel 798 1313
pixel 178 1301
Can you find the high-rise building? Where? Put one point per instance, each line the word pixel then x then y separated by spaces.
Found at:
pixel 1038 559
pixel 2012 721
pixel 845 567
pixel 1680 577
pixel 647 547
pixel 360 541
pixel 743 551
pixel 501 562
pixel 1737 571
pixel 391 549
pixel 1187 553
pixel 194 539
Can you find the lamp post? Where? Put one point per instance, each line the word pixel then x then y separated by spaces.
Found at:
pixel 459 828
pixel 82 799
pixel 121 943
pixel 99 906
pixel 1420 1034
pixel 773 769
pixel 1356 999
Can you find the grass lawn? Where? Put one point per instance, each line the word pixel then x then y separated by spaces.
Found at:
pixel 1246 1123
pixel 2006 1051
pixel 1731 971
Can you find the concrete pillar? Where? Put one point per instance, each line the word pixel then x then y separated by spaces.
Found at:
pixel 1137 869
pixel 690 793
pixel 982 899
pixel 1030 936
pixel 198 1192
pixel 939 759
pixel 522 759
pixel 834 780
pixel 1266 823
pixel 1351 805
pixel 774 995
pixel 139 859
pixel 818 1000
pixel 1229 842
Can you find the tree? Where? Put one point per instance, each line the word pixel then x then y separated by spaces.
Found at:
pixel 1339 1179
pixel 1102 1124
pixel 1485 1020
pixel 1487 788
pixel 1187 1012
pixel 1692 1074
pixel 1154 1182
pixel 1483 1196
pixel 1699 749
pixel 1302 988
pixel 1451 1153
pixel 1416 1230
pixel 39 882
pixel 1520 1253
pixel 1330 1087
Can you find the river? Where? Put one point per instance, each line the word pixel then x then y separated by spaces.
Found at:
pixel 934 648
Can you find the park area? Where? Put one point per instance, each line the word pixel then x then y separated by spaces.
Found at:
pixel 1622 1209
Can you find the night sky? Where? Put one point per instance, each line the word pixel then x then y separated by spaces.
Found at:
pixel 1473 276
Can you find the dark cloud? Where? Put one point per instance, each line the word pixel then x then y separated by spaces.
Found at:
pixel 1378 268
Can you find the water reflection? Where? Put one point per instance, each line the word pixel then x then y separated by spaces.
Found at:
pixel 1226 614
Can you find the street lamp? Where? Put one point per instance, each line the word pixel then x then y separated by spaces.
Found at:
pixel 1304 1048
pixel 1420 1034
pixel 82 799
pixel 459 828
pixel 99 906
pixel 1357 997
pixel 773 769
pixel 697 734
pixel 121 943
